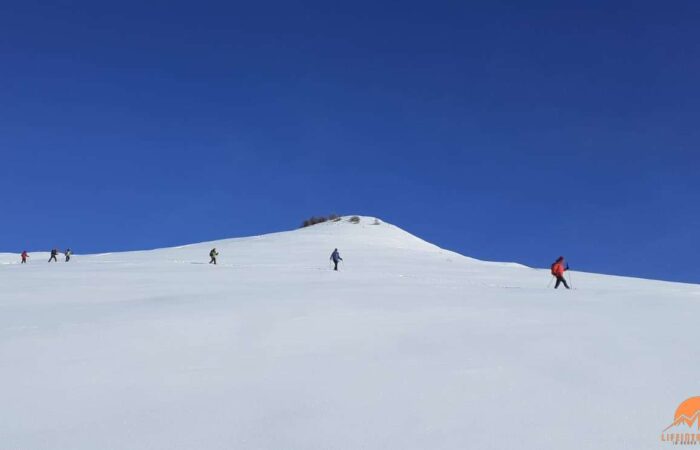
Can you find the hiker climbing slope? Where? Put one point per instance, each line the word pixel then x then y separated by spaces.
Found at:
pixel 335 257
pixel 558 270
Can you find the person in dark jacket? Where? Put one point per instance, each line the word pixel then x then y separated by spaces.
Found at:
pixel 54 253
pixel 335 257
pixel 25 255
pixel 213 254
pixel 68 252
pixel 558 270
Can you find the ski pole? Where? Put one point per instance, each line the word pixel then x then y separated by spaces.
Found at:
pixel 550 281
pixel 570 280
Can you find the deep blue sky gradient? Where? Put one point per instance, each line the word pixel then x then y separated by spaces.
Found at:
pixel 501 130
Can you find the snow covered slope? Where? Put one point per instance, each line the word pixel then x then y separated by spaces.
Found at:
pixel 407 347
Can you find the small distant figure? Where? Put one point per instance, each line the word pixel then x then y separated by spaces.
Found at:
pixel 213 254
pixel 25 255
pixel 335 257
pixel 68 252
pixel 558 270
pixel 54 253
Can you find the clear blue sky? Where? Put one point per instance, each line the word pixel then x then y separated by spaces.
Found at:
pixel 502 131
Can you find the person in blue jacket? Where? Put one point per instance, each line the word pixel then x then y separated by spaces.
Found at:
pixel 335 257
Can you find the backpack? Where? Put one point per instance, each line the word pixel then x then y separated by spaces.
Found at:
pixel 553 268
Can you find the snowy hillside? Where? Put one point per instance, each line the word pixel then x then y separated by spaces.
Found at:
pixel 408 346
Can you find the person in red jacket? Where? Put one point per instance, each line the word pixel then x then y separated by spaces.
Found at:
pixel 25 255
pixel 558 270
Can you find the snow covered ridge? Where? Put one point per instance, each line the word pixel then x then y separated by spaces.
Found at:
pixel 408 346
pixel 345 231
pixel 351 233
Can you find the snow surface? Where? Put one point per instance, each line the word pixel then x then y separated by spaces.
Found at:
pixel 407 347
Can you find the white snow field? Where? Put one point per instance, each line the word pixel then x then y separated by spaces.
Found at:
pixel 408 346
